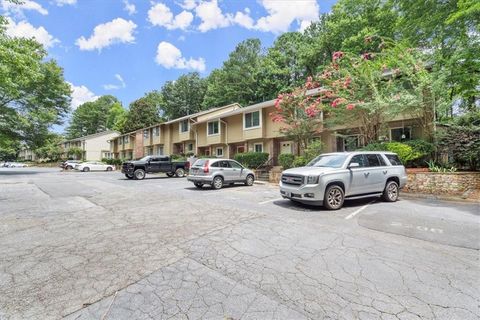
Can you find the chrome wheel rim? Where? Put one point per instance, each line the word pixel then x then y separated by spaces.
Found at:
pixel 140 175
pixel 334 198
pixel 249 181
pixel 217 183
pixel 180 173
pixel 392 191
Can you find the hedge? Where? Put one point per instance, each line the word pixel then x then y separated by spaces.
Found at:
pixel 286 160
pixel 252 160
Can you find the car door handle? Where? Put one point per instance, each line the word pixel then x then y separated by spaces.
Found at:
pixel 385 171
pixel 367 174
pixel 221 169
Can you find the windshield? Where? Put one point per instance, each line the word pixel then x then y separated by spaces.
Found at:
pixel 145 158
pixel 328 160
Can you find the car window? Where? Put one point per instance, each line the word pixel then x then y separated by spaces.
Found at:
pixel 360 159
pixel 199 163
pixel 215 164
pixel 372 160
pixel 394 160
pixel 382 162
pixel 155 159
pixel 235 165
pixel 163 159
pixel 224 164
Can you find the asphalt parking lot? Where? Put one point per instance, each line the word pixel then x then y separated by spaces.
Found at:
pixel 98 246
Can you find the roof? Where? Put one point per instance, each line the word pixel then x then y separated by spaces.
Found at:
pixel 94 135
pixel 202 113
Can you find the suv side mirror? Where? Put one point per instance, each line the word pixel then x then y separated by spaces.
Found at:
pixel 353 165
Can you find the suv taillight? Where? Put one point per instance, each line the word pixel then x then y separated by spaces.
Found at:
pixel 187 165
pixel 205 167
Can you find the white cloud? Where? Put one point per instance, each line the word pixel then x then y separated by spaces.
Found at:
pixel 170 56
pixel 281 14
pixel 188 4
pixel 10 7
pixel 121 84
pixel 65 2
pixel 211 16
pixel 23 29
pixel 116 31
pixel 160 15
pixel 80 95
pixel 244 19
pixel 129 7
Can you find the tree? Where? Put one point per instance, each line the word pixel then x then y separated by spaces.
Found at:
pixel 9 148
pixel 51 149
pixel 96 116
pixel 183 96
pixel 142 113
pixel 33 92
pixel 237 80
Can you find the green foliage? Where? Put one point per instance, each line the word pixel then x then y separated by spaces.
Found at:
pixel 112 161
pixel 300 161
pixel 421 146
pixel 51 149
pixel 405 152
pixel 9 148
pixel 75 151
pixel 314 149
pixel 236 80
pixel 91 117
pixel 183 96
pixel 252 160
pixel 286 160
pixel 142 113
pixel 433 167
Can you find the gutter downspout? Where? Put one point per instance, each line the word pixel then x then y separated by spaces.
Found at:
pixel 196 137
pixel 226 137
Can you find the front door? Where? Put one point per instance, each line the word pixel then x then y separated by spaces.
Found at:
pixel 165 164
pixel 377 168
pixel 359 176
pixel 153 164
pixel 286 147
pixel 237 170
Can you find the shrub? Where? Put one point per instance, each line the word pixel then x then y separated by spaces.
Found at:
pixel 403 150
pixel 300 161
pixel 313 150
pixel 252 160
pixel 286 160
pixel 421 146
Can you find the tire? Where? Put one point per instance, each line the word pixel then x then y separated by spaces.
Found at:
pixel 68 168
pixel 129 176
pixel 109 169
pixel 390 193
pixel 199 185
pixel 180 173
pixel 334 197
pixel 139 174
pixel 249 181
pixel 217 183
pixel 86 169
pixel 170 174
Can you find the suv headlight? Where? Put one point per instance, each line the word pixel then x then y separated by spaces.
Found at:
pixel 312 180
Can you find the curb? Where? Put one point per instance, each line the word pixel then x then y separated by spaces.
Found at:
pixel 438 197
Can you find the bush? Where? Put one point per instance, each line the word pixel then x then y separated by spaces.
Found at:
pixel 421 146
pixel 313 150
pixel 300 161
pixel 403 150
pixel 252 160
pixel 286 160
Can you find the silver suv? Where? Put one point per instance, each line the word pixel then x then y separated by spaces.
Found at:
pixel 217 172
pixel 331 178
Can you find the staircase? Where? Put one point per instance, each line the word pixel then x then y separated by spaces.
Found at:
pixel 263 171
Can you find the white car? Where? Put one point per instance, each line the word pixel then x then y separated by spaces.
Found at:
pixel 94 166
pixel 17 165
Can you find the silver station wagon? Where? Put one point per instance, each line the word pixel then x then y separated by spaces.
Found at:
pixel 331 178
pixel 218 172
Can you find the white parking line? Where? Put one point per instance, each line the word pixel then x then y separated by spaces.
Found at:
pixel 271 200
pixel 353 214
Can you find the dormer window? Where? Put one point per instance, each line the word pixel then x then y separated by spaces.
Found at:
pixel 184 126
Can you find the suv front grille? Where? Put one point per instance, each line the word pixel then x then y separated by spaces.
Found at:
pixel 292 179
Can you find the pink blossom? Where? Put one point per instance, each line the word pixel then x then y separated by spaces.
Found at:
pixel 337 101
pixel 312 110
pixel 350 106
pixel 367 56
pixel 277 118
pixel 337 55
pixel 347 82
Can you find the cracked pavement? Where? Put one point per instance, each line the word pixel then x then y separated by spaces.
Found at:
pixel 98 246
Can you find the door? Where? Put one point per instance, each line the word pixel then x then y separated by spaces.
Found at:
pixel 164 164
pixel 228 173
pixel 286 147
pixel 238 173
pixel 377 171
pixel 359 176
pixel 154 164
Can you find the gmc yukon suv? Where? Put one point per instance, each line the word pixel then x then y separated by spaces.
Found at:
pixel 331 178
pixel 154 164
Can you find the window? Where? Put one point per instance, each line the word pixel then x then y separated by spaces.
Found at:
pixel 235 165
pixel 215 164
pixel 145 133
pixel 219 152
pixel 120 141
pixel 213 128
pixel 190 147
pixel 258 147
pixel 252 120
pixel 401 134
pixel 372 160
pixel 184 126
pixel 125 139
pixel 156 131
pixel 240 149
pixel 160 150
pixel 394 160
pixel 360 159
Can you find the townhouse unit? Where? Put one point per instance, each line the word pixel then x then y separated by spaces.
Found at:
pixel 226 131
pixel 94 147
pixel 27 154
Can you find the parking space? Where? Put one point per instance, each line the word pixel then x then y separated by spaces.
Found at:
pixel 99 246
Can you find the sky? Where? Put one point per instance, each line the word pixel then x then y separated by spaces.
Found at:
pixel 129 47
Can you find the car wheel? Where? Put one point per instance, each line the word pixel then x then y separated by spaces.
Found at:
pixel 198 185
pixel 86 169
pixel 69 167
pixel 180 173
pixel 334 198
pixel 169 174
pixel 139 174
pixel 129 176
pixel 109 169
pixel 390 193
pixel 249 181
pixel 217 182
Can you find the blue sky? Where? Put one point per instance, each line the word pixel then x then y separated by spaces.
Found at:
pixel 127 48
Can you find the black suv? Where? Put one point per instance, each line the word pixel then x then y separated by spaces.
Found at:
pixel 154 164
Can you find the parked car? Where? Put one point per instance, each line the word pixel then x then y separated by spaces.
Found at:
pixel 16 165
pixel 70 164
pixel 93 166
pixel 218 172
pixel 332 178
pixel 154 164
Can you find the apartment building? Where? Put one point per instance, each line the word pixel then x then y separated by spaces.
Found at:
pixel 94 146
pixel 27 154
pixel 226 131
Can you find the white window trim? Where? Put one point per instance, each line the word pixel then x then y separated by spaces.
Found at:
pixel 154 132
pixel 259 120
pixel 180 127
pixel 404 127
pixel 219 128
pixel 256 144
pixel 216 151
